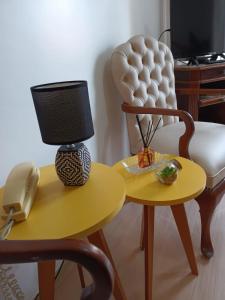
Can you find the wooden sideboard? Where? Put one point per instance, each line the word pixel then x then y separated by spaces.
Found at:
pixel 202 106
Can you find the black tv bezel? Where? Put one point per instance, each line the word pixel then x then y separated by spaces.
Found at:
pixel 202 55
pixel 194 56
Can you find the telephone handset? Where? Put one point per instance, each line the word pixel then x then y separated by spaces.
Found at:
pixel 19 191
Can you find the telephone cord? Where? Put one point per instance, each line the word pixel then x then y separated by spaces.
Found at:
pixel 6 228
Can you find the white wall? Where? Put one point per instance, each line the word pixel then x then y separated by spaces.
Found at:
pixel 55 40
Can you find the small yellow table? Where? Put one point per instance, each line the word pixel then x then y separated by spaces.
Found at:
pixel 61 212
pixel 147 190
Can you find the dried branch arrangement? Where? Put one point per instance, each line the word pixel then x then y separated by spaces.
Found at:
pixel 146 140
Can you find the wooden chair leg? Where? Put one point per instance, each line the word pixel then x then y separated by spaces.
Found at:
pixel 183 228
pixel 99 240
pixel 149 245
pixel 208 202
pixel 142 239
pixel 207 208
pixel 81 276
pixel 46 279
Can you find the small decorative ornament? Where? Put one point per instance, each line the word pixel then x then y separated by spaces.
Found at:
pixel 146 156
pixel 168 172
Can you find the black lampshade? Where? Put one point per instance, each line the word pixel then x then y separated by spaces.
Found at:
pixel 63 112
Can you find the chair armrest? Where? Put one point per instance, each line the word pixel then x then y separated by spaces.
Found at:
pixel 185 116
pixel 81 252
pixel 200 91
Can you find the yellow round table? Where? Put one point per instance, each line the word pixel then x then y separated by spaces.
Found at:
pixel 147 190
pixel 62 212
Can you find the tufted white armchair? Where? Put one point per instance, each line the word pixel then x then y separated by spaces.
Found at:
pixel 143 72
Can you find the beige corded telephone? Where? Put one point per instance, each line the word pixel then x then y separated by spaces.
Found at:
pixel 18 195
pixel 19 191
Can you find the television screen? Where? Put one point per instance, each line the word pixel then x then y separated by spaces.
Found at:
pixel 197 27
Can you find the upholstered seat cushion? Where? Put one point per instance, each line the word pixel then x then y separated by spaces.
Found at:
pixel 207 147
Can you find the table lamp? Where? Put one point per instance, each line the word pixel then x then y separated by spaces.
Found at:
pixel 64 117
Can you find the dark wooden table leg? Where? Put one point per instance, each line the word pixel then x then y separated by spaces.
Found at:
pixel 149 245
pixel 98 239
pixel 46 278
pixel 183 228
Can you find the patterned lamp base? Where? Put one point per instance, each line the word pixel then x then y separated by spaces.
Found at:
pixel 73 164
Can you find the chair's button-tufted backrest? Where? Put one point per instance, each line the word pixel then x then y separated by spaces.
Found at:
pixel 143 73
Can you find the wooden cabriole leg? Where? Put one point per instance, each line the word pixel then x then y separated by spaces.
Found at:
pixel 99 240
pixel 46 278
pixel 149 246
pixel 207 207
pixel 183 228
pixel 208 201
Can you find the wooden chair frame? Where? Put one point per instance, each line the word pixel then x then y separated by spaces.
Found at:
pixel 81 252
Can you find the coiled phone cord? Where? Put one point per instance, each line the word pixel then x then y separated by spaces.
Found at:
pixel 6 228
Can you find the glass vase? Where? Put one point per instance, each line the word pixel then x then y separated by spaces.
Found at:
pixel 146 157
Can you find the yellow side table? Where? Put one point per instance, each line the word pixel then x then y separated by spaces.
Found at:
pixel 61 212
pixel 147 190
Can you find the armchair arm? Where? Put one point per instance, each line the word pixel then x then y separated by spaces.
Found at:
pixel 80 252
pixel 185 116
